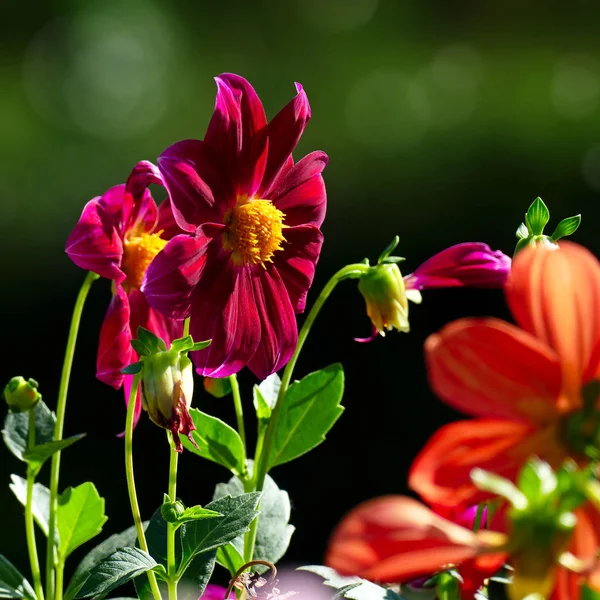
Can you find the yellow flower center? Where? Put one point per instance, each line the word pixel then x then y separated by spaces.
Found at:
pixel 254 233
pixel 138 254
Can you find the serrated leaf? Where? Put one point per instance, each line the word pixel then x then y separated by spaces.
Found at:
pixel 39 454
pixel 229 556
pixel 217 442
pixel 365 591
pixel 207 535
pixel 566 227
pixel 133 368
pixel 16 429
pixel 274 529
pixel 115 570
pixel 537 217
pixel 12 583
pixel 40 503
pixel 80 517
pixel 127 538
pixel 311 407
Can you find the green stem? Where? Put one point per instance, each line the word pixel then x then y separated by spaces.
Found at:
pixel 29 525
pixel 61 407
pixel 135 508
pixel 239 411
pixel 171 528
pixel 186 327
pixel 353 271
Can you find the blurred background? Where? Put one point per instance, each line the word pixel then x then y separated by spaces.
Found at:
pixel 442 120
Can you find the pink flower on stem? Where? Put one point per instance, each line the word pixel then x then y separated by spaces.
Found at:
pixel 117 236
pixel 215 592
pixel 251 216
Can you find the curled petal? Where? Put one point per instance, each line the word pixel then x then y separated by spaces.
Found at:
pixel 95 244
pixel 279 332
pixel 114 348
pixel 172 276
pixel 394 539
pixel 300 193
pixel 167 225
pixel 224 310
pixel 296 264
pixel 284 132
pixel 142 175
pixel 489 368
pixel 441 473
pixel 471 264
pixel 554 293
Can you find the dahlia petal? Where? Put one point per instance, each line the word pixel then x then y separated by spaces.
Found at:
pixel 486 367
pixel 279 331
pixel 296 263
pixel 224 310
pixel 471 264
pixel 441 473
pixel 142 175
pixel 144 215
pixel 167 225
pixel 554 293
pixel 194 182
pixel 114 348
pixel 141 314
pixel 300 194
pixel 284 131
pixel 172 276
pixel 238 132
pixel 394 539
pixel 94 243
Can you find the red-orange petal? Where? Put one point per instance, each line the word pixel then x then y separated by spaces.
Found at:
pixel 489 368
pixel 554 293
pixel 395 539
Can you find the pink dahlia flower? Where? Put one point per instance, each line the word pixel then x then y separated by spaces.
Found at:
pixel 215 592
pixel 252 219
pixel 117 237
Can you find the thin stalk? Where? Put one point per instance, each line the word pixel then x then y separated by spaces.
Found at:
pixel 29 525
pixel 135 508
pixel 261 469
pixel 186 327
pixel 171 528
pixel 61 407
pixel 239 411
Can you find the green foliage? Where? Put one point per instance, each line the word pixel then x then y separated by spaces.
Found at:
pixel 566 227
pixel 537 217
pixel 40 502
pixel 217 442
pixel 39 454
pixel 16 429
pixel 80 517
pixel 265 397
pixel 151 341
pixel 274 531
pixel 589 594
pixel 230 557
pixel 115 570
pixel 353 588
pixel 311 407
pixel 12 583
pixel 218 387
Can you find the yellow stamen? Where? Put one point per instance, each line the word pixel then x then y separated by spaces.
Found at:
pixel 138 254
pixel 254 233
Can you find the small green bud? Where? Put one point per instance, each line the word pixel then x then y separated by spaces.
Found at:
pixel 21 395
pixel 171 512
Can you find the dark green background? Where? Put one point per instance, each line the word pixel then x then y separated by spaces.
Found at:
pixel 443 121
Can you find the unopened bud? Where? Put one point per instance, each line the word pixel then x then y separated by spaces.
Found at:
pixel 21 395
pixel 171 512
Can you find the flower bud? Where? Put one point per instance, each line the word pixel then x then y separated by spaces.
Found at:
pixel 168 386
pixel 383 289
pixel 21 395
pixel 171 512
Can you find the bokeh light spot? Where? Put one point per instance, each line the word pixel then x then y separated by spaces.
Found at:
pixel 575 89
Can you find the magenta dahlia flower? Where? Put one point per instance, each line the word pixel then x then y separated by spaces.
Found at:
pixel 252 219
pixel 117 237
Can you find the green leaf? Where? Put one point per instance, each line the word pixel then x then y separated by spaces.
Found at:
pixel 80 517
pixel 196 577
pixel 274 529
pixel 365 591
pixel 229 556
pixel 216 441
pixel 197 513
pixel 208 534
pixel 265 396
pixel 12 583
pixel 40 503
pixel 537 217
pixel 133 368
pixel 566 227
pixel 38 455
pixel 115 570
pixel 16 429
pixel 311 407
pixel 150 340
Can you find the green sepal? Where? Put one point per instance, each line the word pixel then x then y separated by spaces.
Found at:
pixel 150 340
pixel 499 486
pixel 140 347
pixel 537 217
pixel 537 481
pixel 388 249
pixel 201 345
pixel 393 260
pixel 183 344
pixel 133 368
pixel 522 232
pixel 566 227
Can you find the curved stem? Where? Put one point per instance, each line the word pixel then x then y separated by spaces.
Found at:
pixel 353 271
pixel 247 565
pixel 171 528
pixel 239 411
pixel 29 525
pixel 135 508
pixel 61 407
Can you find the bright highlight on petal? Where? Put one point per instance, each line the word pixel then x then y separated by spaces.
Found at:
pixel 138 253
pixel 254 233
